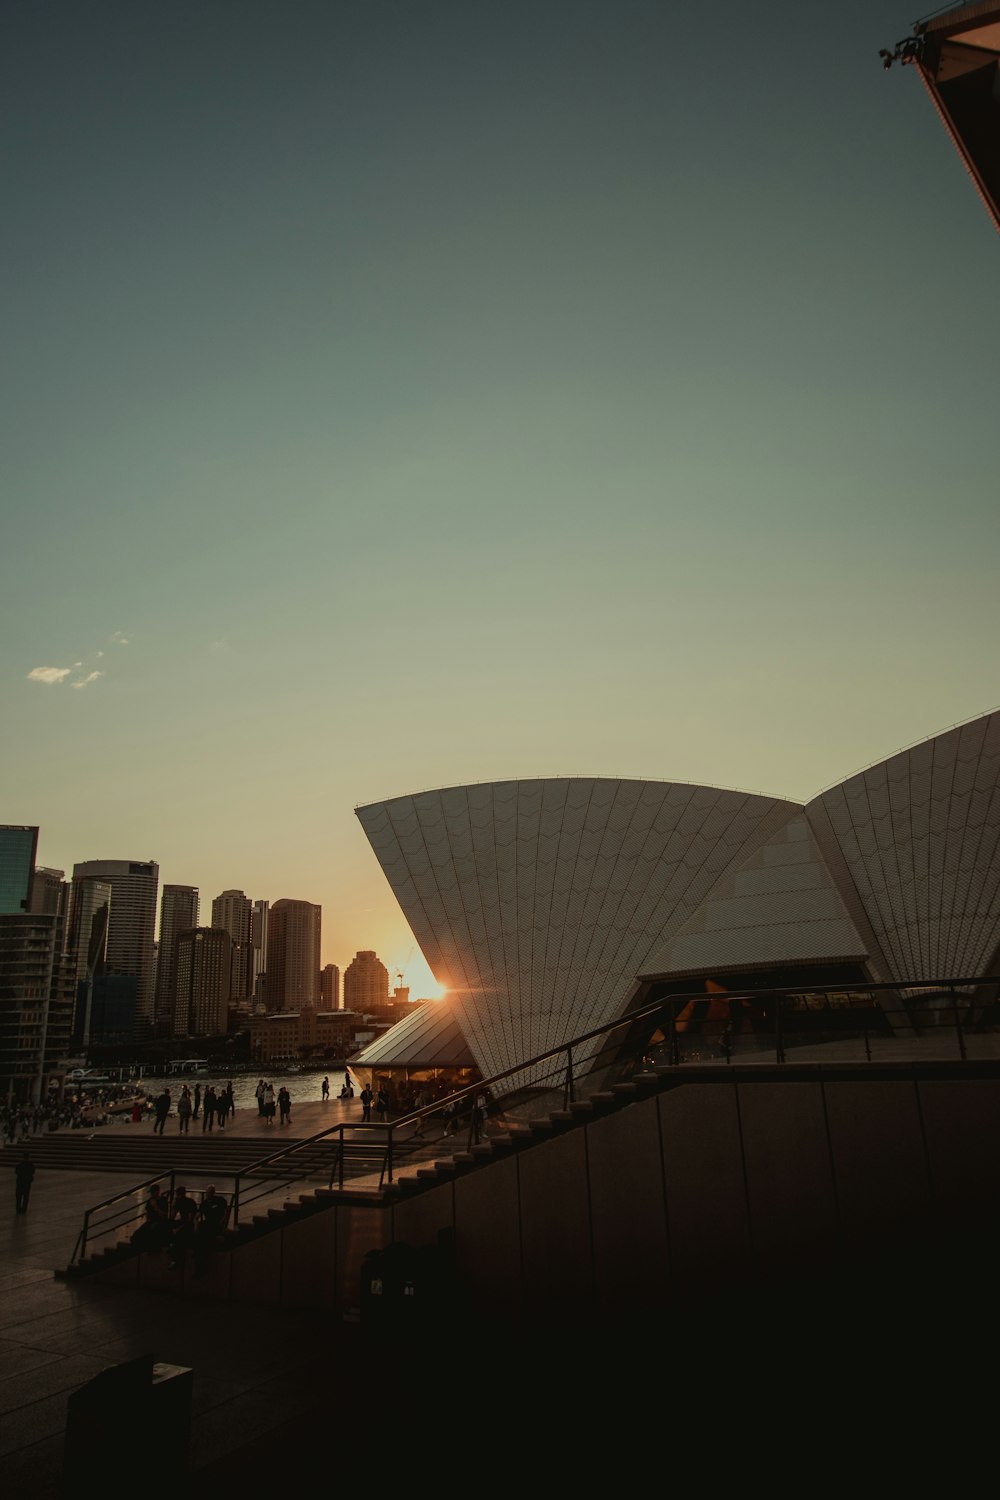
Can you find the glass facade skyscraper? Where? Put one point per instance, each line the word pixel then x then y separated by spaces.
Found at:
pixel 18 844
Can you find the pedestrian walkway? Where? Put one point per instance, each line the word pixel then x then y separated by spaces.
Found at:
pixel 260 1373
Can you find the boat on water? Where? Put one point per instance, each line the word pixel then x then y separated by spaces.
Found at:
pixel 188 1065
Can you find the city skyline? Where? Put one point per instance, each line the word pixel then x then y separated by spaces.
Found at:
pixel 405 397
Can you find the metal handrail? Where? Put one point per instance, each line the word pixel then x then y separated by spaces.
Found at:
pixel 666 1007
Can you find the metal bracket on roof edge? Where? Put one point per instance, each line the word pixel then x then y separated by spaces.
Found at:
pixel 910 50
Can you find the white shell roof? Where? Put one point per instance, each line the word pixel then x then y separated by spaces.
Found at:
pixel 537 902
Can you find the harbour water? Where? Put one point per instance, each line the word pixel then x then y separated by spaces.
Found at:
pixel 305 1087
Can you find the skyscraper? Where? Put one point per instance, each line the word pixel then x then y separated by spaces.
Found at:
pixel 366 983
pixel 204 980
pixel 293 945
pixel 258 943
pixel 329 987
pixel 18 844
pixel 231 911
pixel 36 1003
pixel 132 927
pixel 178 913
pixel 87 946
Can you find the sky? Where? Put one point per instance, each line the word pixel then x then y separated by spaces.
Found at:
pixel 405 393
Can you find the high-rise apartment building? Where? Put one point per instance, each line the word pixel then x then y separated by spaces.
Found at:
pixel 204 980
pixel 178 913
pixel 18 843
pixel 258 944
pixel 366 983
pixel 36 1003
pixel 132 927
pixel 329 987
pixel 293 954
pixel 232 911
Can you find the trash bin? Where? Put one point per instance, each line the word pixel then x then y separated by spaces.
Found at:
pixel 125 1414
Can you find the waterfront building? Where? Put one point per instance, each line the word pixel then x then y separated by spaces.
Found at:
pixel 132 924
pixel 232 910
pixel 36 1004
pixel 204 982
pixel 329 986
pixel 87 948
pixel 293 954
pixel 258 945
pixel 366 983
pixel 179 905
pixel 309 1032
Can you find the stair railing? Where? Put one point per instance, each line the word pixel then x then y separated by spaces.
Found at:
pixel 121 1218
pixel 657 1017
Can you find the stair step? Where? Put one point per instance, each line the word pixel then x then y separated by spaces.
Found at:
pixel 581 1107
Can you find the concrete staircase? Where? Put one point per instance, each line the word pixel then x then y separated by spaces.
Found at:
pixel 430 1164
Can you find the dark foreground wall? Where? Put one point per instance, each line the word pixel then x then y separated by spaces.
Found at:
pixel 731 1183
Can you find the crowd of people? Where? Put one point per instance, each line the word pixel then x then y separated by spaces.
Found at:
pixel 213 1107
pixel 78 1111
pixel 178 1223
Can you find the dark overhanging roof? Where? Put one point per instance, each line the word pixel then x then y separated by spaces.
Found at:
pixel 957 54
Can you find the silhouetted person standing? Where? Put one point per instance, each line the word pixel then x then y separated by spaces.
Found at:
pixel 24 1176
pixel 162 1110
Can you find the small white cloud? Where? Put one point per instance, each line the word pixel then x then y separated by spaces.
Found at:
pixel 49 674
pixel 100 653
pixel 86 681
pixel 120 638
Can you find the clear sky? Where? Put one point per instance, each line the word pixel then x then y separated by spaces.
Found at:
pixel 400 393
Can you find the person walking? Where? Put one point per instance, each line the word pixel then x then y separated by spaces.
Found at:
pixel 24 1176
pixel 184 1111
pixel 197 1101
pixel 284 1106
pixel 268 1104
pixel 366 1103
pixel 382 1103
pixel 326 1089
pixel 259 1091
pixel 161 1111
pixel 208 1109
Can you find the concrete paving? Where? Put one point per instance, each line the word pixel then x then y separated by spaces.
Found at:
pixel 262 1376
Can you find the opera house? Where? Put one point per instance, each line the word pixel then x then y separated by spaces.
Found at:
pixel 550 907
